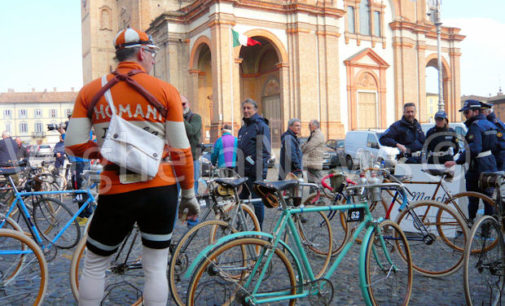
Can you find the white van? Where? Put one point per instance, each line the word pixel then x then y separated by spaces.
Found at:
pixel 367 140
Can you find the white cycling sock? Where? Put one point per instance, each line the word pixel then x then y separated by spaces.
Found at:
pixel 154 263
pixel 91 284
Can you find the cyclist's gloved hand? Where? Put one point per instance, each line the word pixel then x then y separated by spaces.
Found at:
pixel 189 206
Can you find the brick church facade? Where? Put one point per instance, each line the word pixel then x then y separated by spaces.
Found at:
pixel 351 64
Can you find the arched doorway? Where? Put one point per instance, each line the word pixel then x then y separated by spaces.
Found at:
pixel 202 96
pixel 431 100
pixel 259 80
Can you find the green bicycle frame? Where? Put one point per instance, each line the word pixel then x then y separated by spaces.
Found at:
pixel 301 265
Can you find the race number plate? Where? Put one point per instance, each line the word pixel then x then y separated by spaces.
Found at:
pixel 355 214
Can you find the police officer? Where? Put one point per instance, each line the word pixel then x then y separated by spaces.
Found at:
pixel 441 141
pixel 481 139
pixel 406 134
pixel 499 149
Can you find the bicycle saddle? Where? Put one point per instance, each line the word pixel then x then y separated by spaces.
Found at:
pixel 277 185
pixel 440 172
pixel 231 182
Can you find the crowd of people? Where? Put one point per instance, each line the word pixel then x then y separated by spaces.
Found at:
pixel 484 140
pixel 126 197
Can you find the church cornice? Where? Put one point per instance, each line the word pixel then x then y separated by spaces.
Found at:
pixel 447 33
pixel 198 8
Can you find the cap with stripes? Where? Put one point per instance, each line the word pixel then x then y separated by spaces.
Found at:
pixel 129 38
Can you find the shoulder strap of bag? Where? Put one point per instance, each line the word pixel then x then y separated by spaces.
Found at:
pixel 127 78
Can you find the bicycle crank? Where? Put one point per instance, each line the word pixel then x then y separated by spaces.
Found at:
pixel 321 292
pixel 429 239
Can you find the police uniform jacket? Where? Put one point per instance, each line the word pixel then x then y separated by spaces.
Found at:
pixel 499 149
pixel 481 139
pixel 408 134
pixel 441 140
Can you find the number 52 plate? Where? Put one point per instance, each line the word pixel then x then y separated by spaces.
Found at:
pixel 355 214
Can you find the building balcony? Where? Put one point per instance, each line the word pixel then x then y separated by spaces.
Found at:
pixel 39 134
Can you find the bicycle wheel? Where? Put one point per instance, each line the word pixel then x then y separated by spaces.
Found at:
pixel 389 276
pixel 459 202
pixel 252 223
pixel 214 281
pixel 124 277
pixel 186 251
pixel 316 235
pixel 25 285
pixel 421 223
pixel 336 218
pixel 50 217
pixel 11 225
pixel 484 271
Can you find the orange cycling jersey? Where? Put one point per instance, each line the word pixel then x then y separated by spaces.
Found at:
pixel 132 106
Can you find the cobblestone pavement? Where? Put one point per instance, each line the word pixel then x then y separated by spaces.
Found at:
pixel 426 291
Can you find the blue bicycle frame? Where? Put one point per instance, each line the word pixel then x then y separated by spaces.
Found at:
pixel 18 201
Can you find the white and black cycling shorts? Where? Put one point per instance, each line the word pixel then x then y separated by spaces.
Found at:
pixel 153 209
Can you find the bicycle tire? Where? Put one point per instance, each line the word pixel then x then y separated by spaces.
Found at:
pixel 484 271
pixel 12 225
pixel 455 199
pixel 248 212
pixel 124 277
pixel 379 270
pixel 50 216
pixel 317 236
pixel 339 226
pixel 184 254
pixel 29 284
pixel 424 245
pixel 237 250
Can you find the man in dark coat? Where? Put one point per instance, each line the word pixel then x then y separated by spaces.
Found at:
pixel 291 153
pixel 481 139
pixel 499 149
pixel 8 149
pixel 254 147
pixel 406 135
pixel 22 150
pixel 441 141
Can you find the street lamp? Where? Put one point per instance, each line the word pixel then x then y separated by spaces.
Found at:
pixel 434 13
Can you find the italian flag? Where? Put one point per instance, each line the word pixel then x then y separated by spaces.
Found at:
pixel 240 39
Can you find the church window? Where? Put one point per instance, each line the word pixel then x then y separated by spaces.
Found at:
pixel 350 19
pixel 377 23
pixel 364 17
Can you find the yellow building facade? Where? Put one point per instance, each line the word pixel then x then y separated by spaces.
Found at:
pixel 27 114
pixel 351 64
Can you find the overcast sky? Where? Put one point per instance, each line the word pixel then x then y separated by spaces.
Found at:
pixel 41 44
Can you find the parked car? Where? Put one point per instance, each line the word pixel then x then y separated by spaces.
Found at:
pixel 44 150
pixel 330 158
pixel 367 140
pixel 205 164
pixel 338 146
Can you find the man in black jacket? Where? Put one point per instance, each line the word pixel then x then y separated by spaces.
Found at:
pixel 253 151
pixel 291 153
pixel 406 135
pixel 441 140
pixel 8 149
